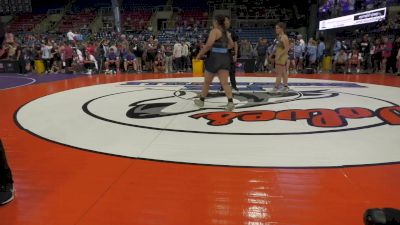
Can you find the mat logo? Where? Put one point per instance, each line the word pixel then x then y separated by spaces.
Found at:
pixel 253 106
pixel 314 117
pixel 159 107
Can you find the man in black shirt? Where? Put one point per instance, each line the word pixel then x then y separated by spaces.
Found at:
pixel 262 48
pixel 6 180
pixel 365 50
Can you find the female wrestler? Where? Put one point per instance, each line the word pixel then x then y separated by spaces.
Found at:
pixel 218 63
pixel 281 58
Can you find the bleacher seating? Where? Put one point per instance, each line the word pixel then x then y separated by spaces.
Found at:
pixel 25 23
pixel 136 20
pixel 254 34
pixel 192 13
pixel 76 20
pixel 192 18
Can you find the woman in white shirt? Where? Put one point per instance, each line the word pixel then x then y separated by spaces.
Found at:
pixel 47 56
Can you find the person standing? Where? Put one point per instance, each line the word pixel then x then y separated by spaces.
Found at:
pixel 138 51
pixel 168 57
pixel 299 50
pixel 71 36
pixel 281 58
pixel 365 50
pixel 218 63
pixel 392 59
pixel 321 53
pixel 7 191
pixel 261 49
pixel 177 56
pixel 46 56
pixel 185 56
pixel 246 50
pixel 387 52
pixel 376 56
pixel 151 50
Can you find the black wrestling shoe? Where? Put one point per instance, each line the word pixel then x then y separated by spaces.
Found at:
pixel 7 193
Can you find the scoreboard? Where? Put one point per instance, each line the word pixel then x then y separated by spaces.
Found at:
pixel 15 6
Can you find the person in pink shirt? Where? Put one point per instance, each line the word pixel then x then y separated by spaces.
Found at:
pixel 68 56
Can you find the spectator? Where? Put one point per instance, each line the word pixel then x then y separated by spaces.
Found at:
pixel 185 56
pixel 338 47
pixel 178 48
pixel 246 50
pixel 12 51
pixel 299 51
pixel 271 55
pixel 365 50
pixel 90 63
pixel 355 59
pixel 321 52
pixel 68 57
pixel 151 52
pixel 168 51
pixel 291 64
pixel 112 59
pixel 392 59
pixel 312 53
pixel 377 56
pixel 262 48
pixel 46 56
pixel 387 52
pixel 159 63
pixel 27 59
pixel 138 51
pixel 78 60
pixel 71 36
pixel 130 59
pixel 340 62
pixel 9 38
pixel 56 59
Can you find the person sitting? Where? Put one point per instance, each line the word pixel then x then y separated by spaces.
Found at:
pixel 77 64
pixel 90 63
pixel 340 61
pixel 354 60
pixel 112 59
pixel 130 59
pixel 159 64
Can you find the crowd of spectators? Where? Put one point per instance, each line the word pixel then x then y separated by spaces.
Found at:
pixel 110 53
pixel 114 53
pixel 335 8
pixel 374 55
